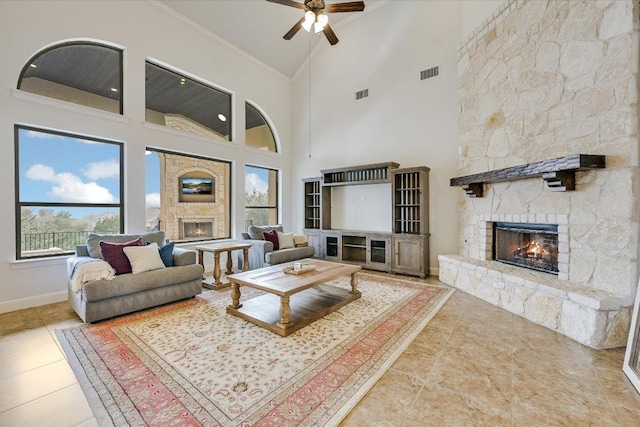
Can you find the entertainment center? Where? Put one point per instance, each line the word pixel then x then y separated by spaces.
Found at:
pixel 401 247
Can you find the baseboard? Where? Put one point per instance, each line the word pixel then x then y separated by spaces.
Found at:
pixel 20 304
pixel 434 271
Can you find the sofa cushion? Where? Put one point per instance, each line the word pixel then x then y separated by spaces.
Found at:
pixel 255 231
pixel 144 258
pixel 166 254
pixel 285 240
pixel 113 253
pixel 93 240
pixel 127 284
pixel 287 255
pixel 272 236
pixel 300 240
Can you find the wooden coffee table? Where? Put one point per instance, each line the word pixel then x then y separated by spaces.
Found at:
pixel 292 301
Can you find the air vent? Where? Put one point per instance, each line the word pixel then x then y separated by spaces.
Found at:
pixel 430 72
pixel 362 94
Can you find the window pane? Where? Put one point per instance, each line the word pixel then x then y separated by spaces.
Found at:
pixel 46 230
pixel 68 186
pixel 261 196
pixel 188 197
pixel 258 132
pixel 182 103
pixel 85 74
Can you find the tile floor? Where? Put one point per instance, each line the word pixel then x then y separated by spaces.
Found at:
pixel 473 365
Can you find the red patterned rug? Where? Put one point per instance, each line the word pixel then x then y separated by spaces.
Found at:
pixel 191 364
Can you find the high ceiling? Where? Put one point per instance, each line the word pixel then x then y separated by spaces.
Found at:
pixel 257 27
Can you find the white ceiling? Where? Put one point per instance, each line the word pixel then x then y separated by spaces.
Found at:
pixel 257 27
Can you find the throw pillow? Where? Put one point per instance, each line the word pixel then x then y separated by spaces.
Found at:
pixel 166 253
pixel 114 255
pixel 272 236
pixel 144 258
pixel 300 241
pixel 255 231
pixel 285 240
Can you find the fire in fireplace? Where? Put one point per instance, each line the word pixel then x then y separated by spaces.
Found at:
pixel 197 229
pixel 533 246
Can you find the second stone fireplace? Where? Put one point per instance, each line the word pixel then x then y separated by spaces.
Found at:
pixel 533 246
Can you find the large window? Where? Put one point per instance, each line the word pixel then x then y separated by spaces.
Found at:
pixel 84 73
pixel 66 187
pixel 261 196
pixel 179 102
pixel 258 131
pixel 188 197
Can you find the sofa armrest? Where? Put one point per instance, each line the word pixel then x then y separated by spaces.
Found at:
pixel 183 256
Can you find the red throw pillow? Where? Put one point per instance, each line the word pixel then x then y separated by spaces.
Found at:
pixel 114 254
pixel 272 236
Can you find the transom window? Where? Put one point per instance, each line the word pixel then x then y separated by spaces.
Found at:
pixel 66 187
pixel 258 132
pixel 261 196
pixel 84 73
pixel 179 102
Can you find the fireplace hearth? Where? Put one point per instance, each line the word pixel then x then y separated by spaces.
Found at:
pixel 533 246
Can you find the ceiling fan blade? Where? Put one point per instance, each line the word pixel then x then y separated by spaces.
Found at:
pixel 292 32
pixel 288 3
pixel 352 6
pixel 331 36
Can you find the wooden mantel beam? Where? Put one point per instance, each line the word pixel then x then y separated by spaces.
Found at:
pixel 558 173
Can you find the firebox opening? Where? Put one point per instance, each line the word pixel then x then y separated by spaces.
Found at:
pixel 197 230
pixel 533 246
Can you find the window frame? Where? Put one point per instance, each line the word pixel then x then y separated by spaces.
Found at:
pixel 277 195
pixel 230 202
pixel 79 43
pixel 270 125
pixel 19 204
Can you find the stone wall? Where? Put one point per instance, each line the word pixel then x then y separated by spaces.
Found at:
pixel 544 79
pixel 550 79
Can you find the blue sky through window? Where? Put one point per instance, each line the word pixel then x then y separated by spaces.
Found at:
pixel 63 169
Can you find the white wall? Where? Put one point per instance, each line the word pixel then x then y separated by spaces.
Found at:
pixel 145 30
pixel 474 12
pixel 403 120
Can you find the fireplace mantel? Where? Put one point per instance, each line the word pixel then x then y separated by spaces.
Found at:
pixel 558 173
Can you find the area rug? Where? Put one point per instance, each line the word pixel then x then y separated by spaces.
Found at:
pixel 191 364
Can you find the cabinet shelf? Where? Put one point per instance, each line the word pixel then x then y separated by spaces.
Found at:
pixel 366 174
pixel 347 245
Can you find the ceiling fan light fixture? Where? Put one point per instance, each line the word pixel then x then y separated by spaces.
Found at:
pixel 309 19
pixel 321 22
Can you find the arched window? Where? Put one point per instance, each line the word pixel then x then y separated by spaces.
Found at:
pixel 258 131
pixel 84 73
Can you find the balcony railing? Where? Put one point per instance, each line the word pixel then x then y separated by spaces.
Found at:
pixel 62 241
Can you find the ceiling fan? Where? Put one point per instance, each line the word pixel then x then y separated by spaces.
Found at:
pixel 315 15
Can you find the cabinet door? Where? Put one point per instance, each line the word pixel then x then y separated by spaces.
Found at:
pixel 315 240
pixel 379 253
pixel 331 244
pixel 408 255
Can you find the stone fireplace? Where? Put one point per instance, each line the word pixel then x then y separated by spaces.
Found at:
pixel 559 77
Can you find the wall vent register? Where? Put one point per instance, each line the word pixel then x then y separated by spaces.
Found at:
pixel 362 94
pixel 430 72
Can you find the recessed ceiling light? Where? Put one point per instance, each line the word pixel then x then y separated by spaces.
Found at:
pixel 113 89
pixel 33 66
pixel 222 117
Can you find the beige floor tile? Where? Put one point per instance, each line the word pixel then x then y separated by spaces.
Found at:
pixel 28 386
pixel 19 321
pixel 26 339
pixel 64 407
pixel 16 361
pixel 90 423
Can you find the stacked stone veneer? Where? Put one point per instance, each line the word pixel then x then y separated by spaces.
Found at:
pixel 540 80
pixel 174 212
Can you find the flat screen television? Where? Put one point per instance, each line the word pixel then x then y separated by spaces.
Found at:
pixel 197 186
